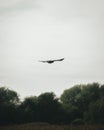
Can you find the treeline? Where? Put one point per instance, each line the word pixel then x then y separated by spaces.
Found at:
pixel 81 104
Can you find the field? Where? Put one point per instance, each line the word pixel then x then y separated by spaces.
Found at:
pixel 33 126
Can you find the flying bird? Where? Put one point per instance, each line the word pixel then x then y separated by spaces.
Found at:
pixel 51 61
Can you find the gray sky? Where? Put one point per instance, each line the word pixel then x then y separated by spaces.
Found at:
pixel 33 30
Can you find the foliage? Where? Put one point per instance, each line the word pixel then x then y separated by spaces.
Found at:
pixel 8 105
pixel 80 104
pixel 8 96
pixel 78 122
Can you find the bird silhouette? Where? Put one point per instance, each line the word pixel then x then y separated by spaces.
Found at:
pixel 52 61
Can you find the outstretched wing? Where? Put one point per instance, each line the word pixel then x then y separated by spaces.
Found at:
pixel 42 61
pixel 51 61
pixel 48 61
pixel 59 59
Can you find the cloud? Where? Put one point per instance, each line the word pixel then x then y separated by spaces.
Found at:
pixel 59 9
pixel 66 9
pixel 16 5
pixel 6 3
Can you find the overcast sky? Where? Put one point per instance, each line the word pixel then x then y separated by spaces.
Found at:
pixel 32 30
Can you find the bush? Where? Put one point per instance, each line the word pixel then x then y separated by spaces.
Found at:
pixel 78 122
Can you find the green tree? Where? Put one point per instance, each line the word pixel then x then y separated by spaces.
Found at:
pixel 28 109
pixel 8 96
pixel 102 91
pixel 89 93
pixel 95 113
pixel 71 95
pixel 69 99
pixel 8 105
pixel 77 99
pixel 50 109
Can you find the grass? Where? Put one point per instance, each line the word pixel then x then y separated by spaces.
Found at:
pixel 34 126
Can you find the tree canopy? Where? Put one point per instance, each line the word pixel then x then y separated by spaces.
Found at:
pixel 83 103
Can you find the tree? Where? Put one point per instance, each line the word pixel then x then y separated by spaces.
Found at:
pixel 28 109
pixel 77 99
pixel 89 93
pixel 95 113
pixel 69 99
pixel 8 96
pixel 50 109
pixel 70 96
pixel 8 105
pixel 84 102
pixel 102 91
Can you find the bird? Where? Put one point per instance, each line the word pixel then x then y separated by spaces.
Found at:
pixel 52 61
